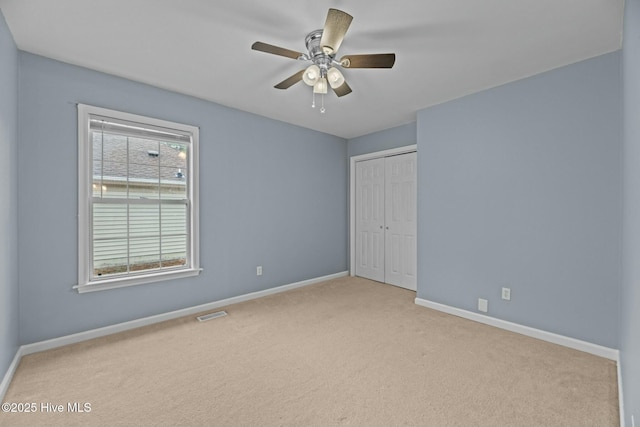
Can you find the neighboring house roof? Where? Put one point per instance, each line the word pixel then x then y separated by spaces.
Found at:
pixel 147 159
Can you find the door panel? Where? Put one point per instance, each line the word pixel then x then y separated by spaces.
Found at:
pixel 370 219
pixel 400 226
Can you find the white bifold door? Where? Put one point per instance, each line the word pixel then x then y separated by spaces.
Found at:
pixel 386 220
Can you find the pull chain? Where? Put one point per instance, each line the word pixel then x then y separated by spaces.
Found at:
pixel 313 102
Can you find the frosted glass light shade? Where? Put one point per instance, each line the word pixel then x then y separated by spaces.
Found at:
pixel 311 75
pixel 335 77
pixel 320 86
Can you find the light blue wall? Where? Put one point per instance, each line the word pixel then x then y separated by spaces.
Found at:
pixel 630 313
pixel 520 186
pixel 8 197
pixel 272 194
pixel 399 136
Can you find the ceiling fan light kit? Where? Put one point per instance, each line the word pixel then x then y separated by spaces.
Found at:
pixel 322 46
pixel 311 75
pixel 320 86
pixel 335 77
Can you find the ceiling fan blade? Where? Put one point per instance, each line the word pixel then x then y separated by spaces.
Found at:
pixel 287 83
pixel 342 90
pixel 269 48
pixel 335 27
pixel 377 60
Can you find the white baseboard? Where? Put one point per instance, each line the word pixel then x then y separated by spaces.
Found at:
pixel 620 395
pixel 587 347
pixel 8 376
pixel 125 326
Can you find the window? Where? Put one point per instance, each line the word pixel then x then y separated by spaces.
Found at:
pixel 138 193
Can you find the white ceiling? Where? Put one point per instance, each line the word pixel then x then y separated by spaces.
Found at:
pixel 444 48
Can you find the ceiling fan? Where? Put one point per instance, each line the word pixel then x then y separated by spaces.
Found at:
pixel 322 46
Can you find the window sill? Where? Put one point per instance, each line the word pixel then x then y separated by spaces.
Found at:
pixel 122 282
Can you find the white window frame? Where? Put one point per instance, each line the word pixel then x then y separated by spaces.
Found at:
pixel 85 180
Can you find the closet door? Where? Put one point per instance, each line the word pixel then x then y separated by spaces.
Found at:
pixel 400 221
pixel 370 187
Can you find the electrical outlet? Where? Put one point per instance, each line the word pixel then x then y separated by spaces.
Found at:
pixel 506 294
pixel 259 270
pixel 483 305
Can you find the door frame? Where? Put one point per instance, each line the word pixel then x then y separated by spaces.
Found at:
pixel 352 193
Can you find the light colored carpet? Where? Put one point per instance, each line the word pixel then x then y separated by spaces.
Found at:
pixel 345 352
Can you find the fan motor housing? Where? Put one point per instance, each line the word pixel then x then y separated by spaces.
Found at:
pixel 312 41
pixel 316 54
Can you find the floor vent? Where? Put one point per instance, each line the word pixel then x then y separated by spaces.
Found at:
pixel 211 316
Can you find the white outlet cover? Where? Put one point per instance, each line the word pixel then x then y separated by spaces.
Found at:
pixel 483 305
pixel 506 294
